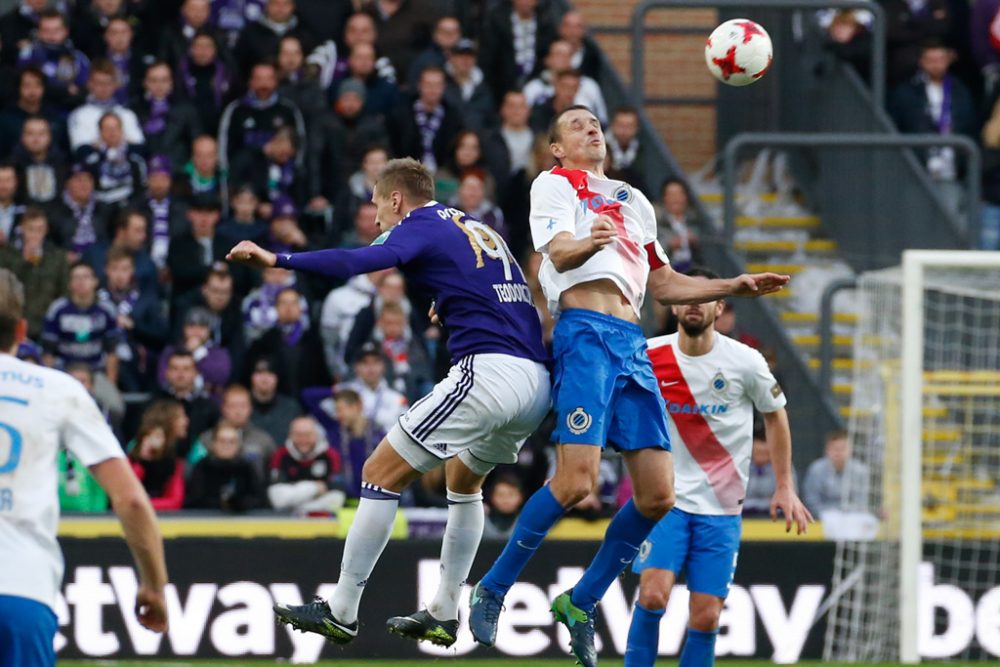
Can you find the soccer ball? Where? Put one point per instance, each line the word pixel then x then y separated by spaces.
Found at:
pixel 738 52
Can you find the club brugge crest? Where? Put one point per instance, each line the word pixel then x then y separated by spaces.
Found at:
pixel 719 383
pixel 578 421
pixel 624 193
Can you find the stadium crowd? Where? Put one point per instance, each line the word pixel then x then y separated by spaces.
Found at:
pixel 140 140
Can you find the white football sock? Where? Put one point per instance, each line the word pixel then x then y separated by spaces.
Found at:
pixel 366 540
pixel 458 551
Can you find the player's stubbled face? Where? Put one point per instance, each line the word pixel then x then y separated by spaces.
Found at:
pixel 696 318
pixel 581 139
pixel 385 217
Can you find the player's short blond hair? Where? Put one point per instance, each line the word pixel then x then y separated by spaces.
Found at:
pixel 11 307
pixel 408 176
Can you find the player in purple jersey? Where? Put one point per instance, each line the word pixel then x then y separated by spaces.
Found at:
pixel 495 395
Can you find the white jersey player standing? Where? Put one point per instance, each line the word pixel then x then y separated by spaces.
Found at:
pixel 42 410
pixel 710 385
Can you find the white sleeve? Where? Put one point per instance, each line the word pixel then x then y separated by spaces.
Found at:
pixel 287 495
pixel 85 433
pixel 553 209
pixel 764 391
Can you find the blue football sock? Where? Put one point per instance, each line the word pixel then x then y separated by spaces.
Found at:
pixel 626 533
pixel 537 517
pixel 699 649
pixel 643 637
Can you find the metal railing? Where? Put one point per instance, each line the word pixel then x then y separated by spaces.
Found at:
pixel 638 28
pixel 826 332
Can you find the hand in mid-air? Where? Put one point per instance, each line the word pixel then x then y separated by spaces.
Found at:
pixel 151 609
pixel 792 508
pixel 602 232
pixel 248 252
pixel 758 284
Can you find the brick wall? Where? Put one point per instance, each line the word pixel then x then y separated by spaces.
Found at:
pixel 675 67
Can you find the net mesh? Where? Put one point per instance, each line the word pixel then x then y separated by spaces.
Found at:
pixel 960 466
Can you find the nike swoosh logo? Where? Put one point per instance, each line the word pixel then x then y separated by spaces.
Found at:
pixel 625 560
pixel 525 546
pixel 669 384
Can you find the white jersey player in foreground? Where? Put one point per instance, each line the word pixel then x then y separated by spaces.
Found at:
pixel 40 410
pixel 710 384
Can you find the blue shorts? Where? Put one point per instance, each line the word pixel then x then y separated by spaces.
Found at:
pixel 27 630
pixel 704 547
pixel 604 391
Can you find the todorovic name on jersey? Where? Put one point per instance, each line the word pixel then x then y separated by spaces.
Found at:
pixel 513 293
pixel 696 408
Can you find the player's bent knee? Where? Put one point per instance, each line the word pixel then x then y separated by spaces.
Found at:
pixel 657 505
pixel 705 613
pixel 653 596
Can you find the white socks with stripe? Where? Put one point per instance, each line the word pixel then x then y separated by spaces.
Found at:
pixel 458 551
pixel 366 540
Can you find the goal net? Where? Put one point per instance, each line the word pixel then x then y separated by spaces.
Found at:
pixel 920 576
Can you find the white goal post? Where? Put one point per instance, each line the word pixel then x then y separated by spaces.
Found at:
pixel 925 420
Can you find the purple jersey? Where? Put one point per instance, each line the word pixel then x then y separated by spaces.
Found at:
pixel 479 290
pixel 81 334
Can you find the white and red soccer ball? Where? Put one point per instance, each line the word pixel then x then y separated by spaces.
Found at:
pixel 738 52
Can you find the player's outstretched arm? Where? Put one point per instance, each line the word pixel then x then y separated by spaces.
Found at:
pixel 130 502
pixel 567 253
pixel 334 263
pixel 670 287
pixel 779 442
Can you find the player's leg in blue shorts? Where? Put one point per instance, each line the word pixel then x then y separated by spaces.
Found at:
pixel 27 630
pixel 705 548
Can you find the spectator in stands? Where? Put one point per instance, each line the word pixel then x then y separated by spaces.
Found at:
pixel 826 478
pixel 295 346
pixel 40 164
pixel 273 412
pixel 193 253
pixel 183 383
pixel 130 234
pixel 471 198
pixel 251 121
pixel 259 309
pixel 349 431
pixel 426 128
pixel 154 456
pixel 120 50
pixel 506 496
pixel 404 28
pixel 909 25
pixel 365 228
pixel 382 404
pixel 206 79
pixel 39 265
pixel 139 317
pixel 259 39
pixel 541 88
pixel 515 38
pixel 78 490
pixel 408 369
pixel 244 222
pixel 84 124
pixel 507 150
pixel 299 80
pixel 176 39
pixel 170 124
pixel 284 234
pixel 118 167
pixel 586 58
pixel 848 36
pixel 466 154
pixel 78 220
pixel 989 237
pixel 17 28
pixel 217 296
pixel 467 88
pixel 727 325
pixel 362 182
pixel 224 480
pixel 212 361
pixel 340 308
pixel 29 102
pixel 274 175
pixel 936 102
pixel 761 483
pixel 258 445
pixel 88 22
pixel 203 175
pixel 360 29
pixel 52 52
pixel 167 212
pixel 447 34
pixel 985 42
pixel 10 210
pixel 567 89
pixel 380 94
pixel 625 148
pixel 305 473
pixel 675 225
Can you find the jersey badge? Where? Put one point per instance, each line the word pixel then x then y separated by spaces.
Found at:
pixel 578 421
pixel 719 383
pixel 776 390
pixel 380 239
pixel 624 193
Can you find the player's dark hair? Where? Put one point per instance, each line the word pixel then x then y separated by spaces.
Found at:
pixel 11 307
pixel 408 176
pixel 702 272
pixel 554 133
